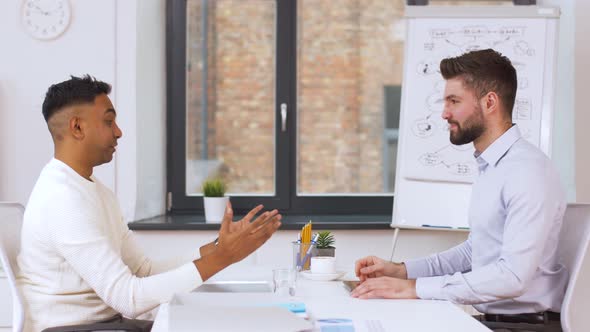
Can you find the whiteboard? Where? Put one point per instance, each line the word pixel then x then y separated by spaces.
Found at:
pixel 433 176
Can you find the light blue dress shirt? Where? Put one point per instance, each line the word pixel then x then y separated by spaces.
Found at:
pixel 509 262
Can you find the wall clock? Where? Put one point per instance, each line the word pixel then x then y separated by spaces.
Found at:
pixel 46 19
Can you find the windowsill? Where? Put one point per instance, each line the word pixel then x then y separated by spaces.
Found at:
pixel 293 222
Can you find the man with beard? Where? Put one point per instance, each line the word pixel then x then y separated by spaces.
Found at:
pixel 508 266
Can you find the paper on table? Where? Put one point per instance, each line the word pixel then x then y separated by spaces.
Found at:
pixel 234 287
pixel 348 325
pixel 263 319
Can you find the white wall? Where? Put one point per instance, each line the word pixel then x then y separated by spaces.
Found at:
pixel 582 82
pixel 141 77
pixel 350 245
pixel 27 68
pixel 570 152
pixel 120 42
pixel 563 145
pixel 151 117
pixel 126 85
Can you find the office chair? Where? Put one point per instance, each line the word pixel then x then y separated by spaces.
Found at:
pixel 574 253
pixel 11 219
pixel 11 216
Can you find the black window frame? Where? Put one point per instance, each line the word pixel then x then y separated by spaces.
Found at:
pixel 286 198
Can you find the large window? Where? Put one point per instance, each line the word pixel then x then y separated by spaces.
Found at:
pixel 294 103
pixel 230 95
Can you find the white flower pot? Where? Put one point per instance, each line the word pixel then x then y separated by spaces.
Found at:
pixel 215 209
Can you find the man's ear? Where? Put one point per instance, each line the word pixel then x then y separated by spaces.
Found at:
pixel 490 103
pixel 76 127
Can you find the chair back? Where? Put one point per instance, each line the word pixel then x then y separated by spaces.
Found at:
pixel 573 250
pixel 11 219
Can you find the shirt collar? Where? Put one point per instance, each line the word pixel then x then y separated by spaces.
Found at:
pixel 496 150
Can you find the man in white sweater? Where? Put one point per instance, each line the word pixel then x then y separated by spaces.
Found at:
pixel 79 263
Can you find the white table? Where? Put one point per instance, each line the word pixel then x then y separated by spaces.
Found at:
pixel 329 299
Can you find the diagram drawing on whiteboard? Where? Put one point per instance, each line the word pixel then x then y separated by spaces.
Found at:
pixel 428 154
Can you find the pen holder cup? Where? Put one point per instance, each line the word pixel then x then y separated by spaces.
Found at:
pixel 302 254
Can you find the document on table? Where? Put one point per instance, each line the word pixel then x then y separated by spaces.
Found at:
pixel 348 325
pixel 228 318
pixel 234 287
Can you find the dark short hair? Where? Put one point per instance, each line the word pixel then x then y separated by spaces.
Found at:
pixel 76 90
pixel 484 71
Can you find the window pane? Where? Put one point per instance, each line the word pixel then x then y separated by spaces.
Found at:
pixel 349 63
pixel 231 95
pixel 349 75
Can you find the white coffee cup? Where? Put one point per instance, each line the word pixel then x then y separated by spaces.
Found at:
pixel 323 265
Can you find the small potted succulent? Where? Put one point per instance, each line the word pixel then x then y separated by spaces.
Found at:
pixel 325 244
pixel 214 200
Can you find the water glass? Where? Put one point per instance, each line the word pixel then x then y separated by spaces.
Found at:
pixel 284 281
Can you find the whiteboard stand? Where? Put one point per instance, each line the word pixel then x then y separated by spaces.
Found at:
pixel 394 242
pixel 397 228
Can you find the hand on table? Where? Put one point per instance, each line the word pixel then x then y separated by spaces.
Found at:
pixel 385 288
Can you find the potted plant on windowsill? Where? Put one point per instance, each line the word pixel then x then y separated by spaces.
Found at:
pixel 214 200
pixel 325 244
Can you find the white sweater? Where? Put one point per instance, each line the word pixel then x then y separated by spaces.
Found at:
pixel 79 262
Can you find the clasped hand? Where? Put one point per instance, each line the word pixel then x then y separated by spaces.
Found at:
pixel 382 279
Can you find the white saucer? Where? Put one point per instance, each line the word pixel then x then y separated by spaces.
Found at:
pixel 322 276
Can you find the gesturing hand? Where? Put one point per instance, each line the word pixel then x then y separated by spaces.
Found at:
pixel 386 288
pixel 239 239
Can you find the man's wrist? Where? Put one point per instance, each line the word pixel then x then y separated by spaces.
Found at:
pixel 402 270
pixel 399 270
pixel 211 264
pixel 208 248
pixel 220 256
pixel 412 293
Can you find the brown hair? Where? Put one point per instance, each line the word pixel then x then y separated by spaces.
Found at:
pixel 484 71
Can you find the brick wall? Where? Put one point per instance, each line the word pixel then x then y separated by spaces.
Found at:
pixel 347 53
pixel 241 91
pixel 348 50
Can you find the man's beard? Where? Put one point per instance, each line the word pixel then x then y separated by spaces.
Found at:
pixel 469 131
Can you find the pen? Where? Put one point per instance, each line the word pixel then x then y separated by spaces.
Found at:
pixel 306 257
pixel 435 226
